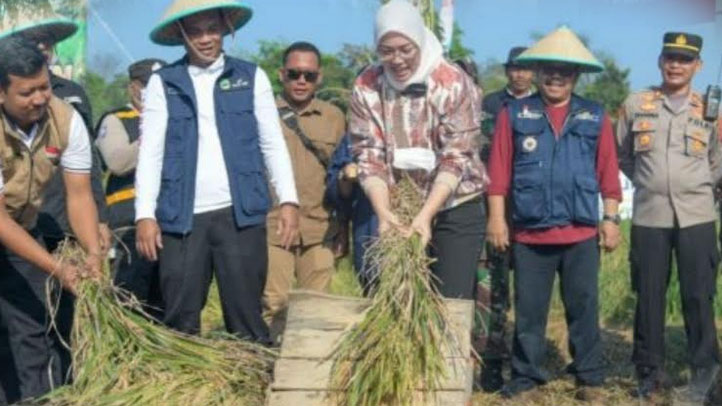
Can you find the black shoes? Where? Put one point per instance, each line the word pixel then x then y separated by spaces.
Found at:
pixel 491 379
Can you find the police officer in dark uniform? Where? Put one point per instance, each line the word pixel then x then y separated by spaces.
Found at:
pixel 117 140
pixel 519 85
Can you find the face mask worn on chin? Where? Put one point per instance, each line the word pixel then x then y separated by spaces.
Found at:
pixel 409 159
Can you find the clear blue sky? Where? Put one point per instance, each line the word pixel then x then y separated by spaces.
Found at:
pixel 630 30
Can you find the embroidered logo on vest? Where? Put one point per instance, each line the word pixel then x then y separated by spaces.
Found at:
pixel 526 113
pixel 529 144
pixel 587 116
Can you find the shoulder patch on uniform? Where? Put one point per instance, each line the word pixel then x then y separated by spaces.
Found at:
pixel 587 116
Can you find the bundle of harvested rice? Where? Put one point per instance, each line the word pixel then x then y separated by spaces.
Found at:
pixel 397 348
pixel 120 358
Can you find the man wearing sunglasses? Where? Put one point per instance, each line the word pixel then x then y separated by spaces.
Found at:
pixel 312 129
pixel 669 148
pixel 553 154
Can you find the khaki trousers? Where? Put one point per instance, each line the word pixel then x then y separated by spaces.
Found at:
pixel 312 268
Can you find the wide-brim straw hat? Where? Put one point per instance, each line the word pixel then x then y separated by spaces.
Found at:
pixel 32 20
pixel 167 32
pixel 561 46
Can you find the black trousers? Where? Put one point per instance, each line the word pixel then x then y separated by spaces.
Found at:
pixel 238 257
pixel 34 358
pixel 535 268
pixel 457 238
pixel 135 274
pixel 695 249
pixel 499 264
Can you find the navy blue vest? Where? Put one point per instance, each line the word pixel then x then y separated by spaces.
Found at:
pixel 554 181
pixel 238 132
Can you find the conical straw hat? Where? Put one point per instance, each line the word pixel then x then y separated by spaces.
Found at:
pixel 561 45
pixel 30 19
pixel 167 32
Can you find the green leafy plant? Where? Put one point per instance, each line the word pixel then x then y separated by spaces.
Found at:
pixel 121 358
pixel 397 348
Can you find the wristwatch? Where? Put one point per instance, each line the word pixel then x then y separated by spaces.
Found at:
pixel 616 218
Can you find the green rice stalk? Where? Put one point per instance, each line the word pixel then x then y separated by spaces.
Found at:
pixel 121 358
pixel 396 349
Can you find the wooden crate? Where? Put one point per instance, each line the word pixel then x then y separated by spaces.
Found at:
pixel 316 323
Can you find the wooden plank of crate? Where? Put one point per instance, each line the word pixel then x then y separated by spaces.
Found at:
pixel 318 311
pixel 303 374
pixel 319 344
pixel 309 307
pixel 321 398
pixel 312 310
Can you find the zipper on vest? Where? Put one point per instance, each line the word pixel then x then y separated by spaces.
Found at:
pixel 554 152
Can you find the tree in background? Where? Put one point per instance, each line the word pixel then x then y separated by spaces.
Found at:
pixel 609 87
pixel 357 57
pixel 105 95
pixel 492 76
pixel 457 50
pixel 338 70
pixel 11 6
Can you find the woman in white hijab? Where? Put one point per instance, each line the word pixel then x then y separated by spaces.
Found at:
pixel 415 112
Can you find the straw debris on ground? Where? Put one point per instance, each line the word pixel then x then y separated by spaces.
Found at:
pixel 397 348
pixel 121 358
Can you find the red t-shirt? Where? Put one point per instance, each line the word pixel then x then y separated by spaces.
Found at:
pixel 500 173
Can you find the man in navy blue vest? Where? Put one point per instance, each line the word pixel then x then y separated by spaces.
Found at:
pixel 210 137
pixel 553 153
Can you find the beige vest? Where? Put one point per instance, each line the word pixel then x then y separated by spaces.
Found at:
pixel 25 170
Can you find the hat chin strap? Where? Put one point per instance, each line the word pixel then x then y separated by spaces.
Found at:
pixel 200 56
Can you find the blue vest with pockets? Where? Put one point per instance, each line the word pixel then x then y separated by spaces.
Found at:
pixel 554 181
pixel 238 132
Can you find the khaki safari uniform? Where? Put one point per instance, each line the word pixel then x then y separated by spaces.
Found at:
pixel 33 357
pixel 311 258
pixel 25 170
pixel 673 159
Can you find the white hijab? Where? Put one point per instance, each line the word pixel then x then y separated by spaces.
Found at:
pixel 402 17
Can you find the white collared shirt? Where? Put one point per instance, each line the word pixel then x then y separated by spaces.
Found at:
pixel 212 186
pixel 510 93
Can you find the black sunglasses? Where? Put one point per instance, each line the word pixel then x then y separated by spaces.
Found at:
pixel 561 70
pixel 293 74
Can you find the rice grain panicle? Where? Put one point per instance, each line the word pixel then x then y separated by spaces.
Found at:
pixel 122 358
pixel 397 349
